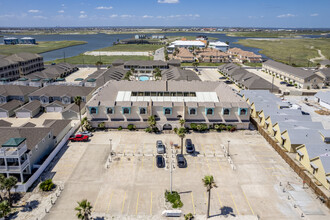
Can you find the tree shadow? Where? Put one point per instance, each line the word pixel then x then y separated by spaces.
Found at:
pixel 29 206
pixel 225 211
pixel 184 192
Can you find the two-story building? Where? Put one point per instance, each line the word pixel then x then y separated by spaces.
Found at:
pixel 62 93
pixel 301 78
pixel 28 62
pixel 120 103
pixel 14 92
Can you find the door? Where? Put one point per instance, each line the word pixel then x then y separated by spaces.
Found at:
pixel 50 109
pixel 57 109
pixel 167 127
pixel 23 114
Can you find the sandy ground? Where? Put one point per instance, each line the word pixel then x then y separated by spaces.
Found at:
pixel 81 73
pixel 117 53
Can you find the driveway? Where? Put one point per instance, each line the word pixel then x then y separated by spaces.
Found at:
pixel 159 54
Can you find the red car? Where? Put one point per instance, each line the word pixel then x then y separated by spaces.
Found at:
pixel 79 138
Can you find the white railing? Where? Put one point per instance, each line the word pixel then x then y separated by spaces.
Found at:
pixel 35 176
pixel 9 152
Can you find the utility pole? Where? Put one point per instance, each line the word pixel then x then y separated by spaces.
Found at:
pixel 171 175
pixel 110 149
pixel 228 149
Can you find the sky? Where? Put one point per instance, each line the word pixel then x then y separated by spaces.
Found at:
pixel 216 13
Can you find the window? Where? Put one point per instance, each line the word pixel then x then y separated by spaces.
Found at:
pixel 209 111
pixel 93 110
pixel 243 111
pixel 167 111
pixel 226 111
pixel 126 111
pixel 143 111
pixel 192 111
pixel 110 111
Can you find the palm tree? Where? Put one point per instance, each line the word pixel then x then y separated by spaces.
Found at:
pixel 209 183
pixel 182 122
pixel 4 209
pixel 84 209
pixel 181 132
pixel 152 121
pixel 2 179
pixel 98 64
pixel 77 101
pixel 8 184
pixel 195 64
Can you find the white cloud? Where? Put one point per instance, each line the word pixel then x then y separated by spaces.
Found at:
pixel 103 8
pixel 82 12
pixel 315 14
pixel 113 16
pixel 168 1
pixel 126 16
pixel 60 11
pixel 286 16
pixel 83 16
pixel 63 5
pixel 40 17
pixel 33 11
pixel 147 16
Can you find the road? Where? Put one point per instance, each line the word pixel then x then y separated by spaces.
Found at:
pixel 159 54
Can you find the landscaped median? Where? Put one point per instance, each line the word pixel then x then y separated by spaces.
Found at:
pixel 41 47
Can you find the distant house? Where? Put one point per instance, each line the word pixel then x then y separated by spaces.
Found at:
pixel 140 36
pixel 302 78
pixel 219 46
pixel 202 37
pixel 64 94
pixel 27 40
pixel 15 92
pixel 160 37
pixel 212 56
pixel 28 110
pixel 10 41
pixel 325 75
pixel 323 98
pixel 185 56
pixel 8 109
pixel 185 44
pixel 242 56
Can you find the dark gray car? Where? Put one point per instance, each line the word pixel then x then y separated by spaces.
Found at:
pixel 181 161
pixel 189 146
pixel 160 147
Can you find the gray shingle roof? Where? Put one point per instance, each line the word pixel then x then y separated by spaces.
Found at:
pixel 4 123
pixel 300 73
pixel 15 90
pixel 23 56
pixel 60 90
pixel 31 106
pixel 57 126
pixel 324 96
pixel 11 105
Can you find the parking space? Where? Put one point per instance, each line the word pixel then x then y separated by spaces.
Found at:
pixel 81 73
pixel 133 186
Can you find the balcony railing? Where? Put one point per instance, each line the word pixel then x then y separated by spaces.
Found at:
pixel 12 152
pixel 14 168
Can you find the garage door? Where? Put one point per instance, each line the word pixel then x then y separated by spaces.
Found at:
pixel 58 109
pixel 23 114
pixel 50 109
pixel 3 115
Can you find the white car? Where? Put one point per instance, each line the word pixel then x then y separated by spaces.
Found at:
pixel 87 133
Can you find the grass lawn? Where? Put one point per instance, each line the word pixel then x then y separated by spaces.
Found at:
pixel 269 34
pixel 291 51
pixel 253 64
pixel 41 47
pixel 87 59
pixel 203 64
pixel 132 48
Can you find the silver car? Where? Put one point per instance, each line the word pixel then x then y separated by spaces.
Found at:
pixel 160 147
pixel 87 133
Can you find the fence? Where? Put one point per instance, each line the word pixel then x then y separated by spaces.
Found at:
pixel 300 170
pixel 24 187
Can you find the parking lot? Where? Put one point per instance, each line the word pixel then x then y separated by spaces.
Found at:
pixel 133 187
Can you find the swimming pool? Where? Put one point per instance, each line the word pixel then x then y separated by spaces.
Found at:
pixel 143 78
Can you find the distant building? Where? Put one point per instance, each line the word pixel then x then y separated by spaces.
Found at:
pixel 27 40
pixel 20 64
pixel 160 37
pixel 185 44
pixel 10 41
pixel 302 78
pixel 219 46
pixel 325 75
pixel 185 56
pixel 242 56
pixel 202 37
pixel 140 36
pixel 210 55
pixel 323 98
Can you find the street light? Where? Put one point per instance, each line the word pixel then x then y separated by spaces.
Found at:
pixel 228 149
pixel 110 149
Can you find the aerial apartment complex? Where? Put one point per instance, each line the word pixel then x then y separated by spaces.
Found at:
pixel 120 103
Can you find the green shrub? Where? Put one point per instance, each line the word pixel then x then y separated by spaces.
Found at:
pixel 131 127
pixel 148 130
pixel 101 126
pixel 189 216
pixel 193 126
pixel 120 128
pixel 155 129
pixel 222 127
pixel 46 185
pixel 174 199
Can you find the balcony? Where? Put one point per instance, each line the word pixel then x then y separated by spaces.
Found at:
pixel 12 151
pixel 14 168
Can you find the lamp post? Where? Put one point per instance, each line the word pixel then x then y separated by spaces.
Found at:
pixel 110 149
pixel 171 176
pixel 228 149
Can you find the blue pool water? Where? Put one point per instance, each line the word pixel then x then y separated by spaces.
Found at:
pixel 144 78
